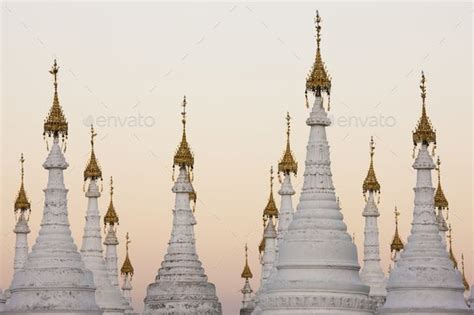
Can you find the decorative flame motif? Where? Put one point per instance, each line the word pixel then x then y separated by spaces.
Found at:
pixel 111 216
pixel 424 132
pixel 55 124
pixel 246 273
pixel 397 244
pixel 318 80
pixel 451 253
pixel 370 182
pixel 464 280
pixel 21 203
pixel 92 170
pixel 287 163
pixel 127 268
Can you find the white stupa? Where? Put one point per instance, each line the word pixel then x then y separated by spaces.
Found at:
pixel 181 286
pixel 22 209
pixel 54 279
pixel 127 272
pixel 396 247
pixel 372 273
pixel 108 297
pixel 248 303
pixel 317 267
pixel 424 280
pixel 441 204
pixel 111 221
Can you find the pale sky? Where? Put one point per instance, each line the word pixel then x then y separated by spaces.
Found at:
pixel 126 66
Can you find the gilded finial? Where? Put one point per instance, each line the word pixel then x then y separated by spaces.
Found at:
pixel 270 210
pixel 127 268
pixel 287 163
pixel 318 80
pixel 55 124
pixel 451 253
pixel 440 201
pixel 21 203
pixel 370 183
pixel 424 132
pixel 111 216
pixel 464 280
pixel 183 156
pixel 92 170
pixel 397 244
pixel 246 273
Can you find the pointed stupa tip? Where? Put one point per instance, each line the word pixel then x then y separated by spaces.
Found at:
pixel 55 124
pixel 318 80
pixel 370 182
pixel 111 216
pixel 287 163
pixel 271 211
pixel 246 273
pixel 93 170
pixel 127 267
pixel 440 200
pixel 397 243
pixel 451 252
pixel 424 132
pixel 21 202
pixel 184 156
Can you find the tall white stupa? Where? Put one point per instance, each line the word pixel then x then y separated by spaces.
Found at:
pixel 22 210
pixel 109 298
pixel 424 280
pixel 111 221
pixel 248 303
pixel 317 267
pixel 54 279
pixel 127 272
pixel 181 286
pixel 372 273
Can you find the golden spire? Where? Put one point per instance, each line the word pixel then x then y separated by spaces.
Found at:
pixel 246 273
pixel 424 132
pixel 127 268
pixel 111 216
pixel 318 80
pixel 21 202
pixel 183 156
pixel 55 124
pixel 92 170
pixel 451 253
pixel 370 182
pixel 464 280
pixel 270 210
pixel 397 244
pixel 287 163
pixel 440 200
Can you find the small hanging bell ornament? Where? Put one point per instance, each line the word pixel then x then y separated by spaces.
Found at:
pixel 84 186
pixel 413 154
pixel 378 198
pixel 172 175
pixel 306 98
pixel 329 102
pixel 279 178
pixel 434 149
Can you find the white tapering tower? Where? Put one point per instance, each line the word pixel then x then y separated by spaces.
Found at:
pixel 372 273
pixel 396 246
pixel 22 210
pixel 317 267
pixel 54 279
pixel 108 297
pixel 424 280
pixel 127 272
pixel 111 220
pixel 286 166
pixel 248 304
pixel 441 204
pixel 181 286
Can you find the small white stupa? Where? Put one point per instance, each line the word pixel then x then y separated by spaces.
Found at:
pixel 372 273
pixel 441 204
pixel 54 279
pixel 424 280
pixel 181 286
pixel 317 267
pixel 22 210
pixel 396 246
pixel 248 304
pixel 109 298
pixel 111 220
pixel 127 272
